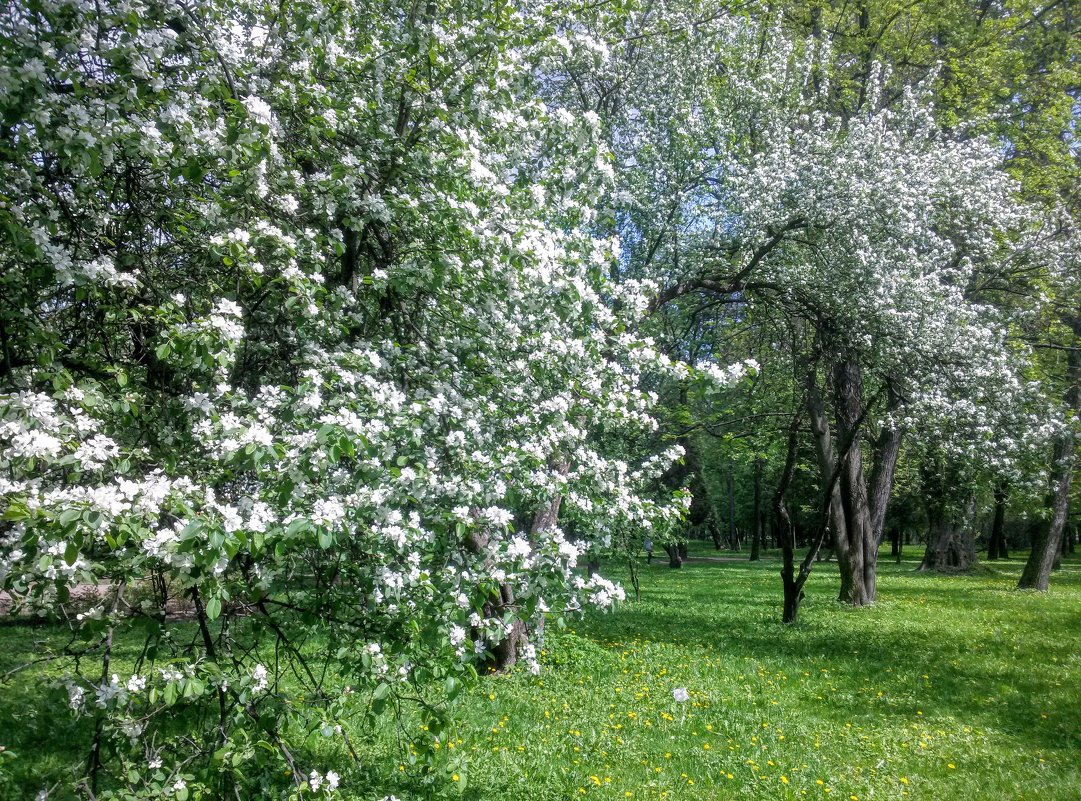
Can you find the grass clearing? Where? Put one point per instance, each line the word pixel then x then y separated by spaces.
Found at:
pixel 949 688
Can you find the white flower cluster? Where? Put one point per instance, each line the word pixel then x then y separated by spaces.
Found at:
pixel 327 782
pixel 389 385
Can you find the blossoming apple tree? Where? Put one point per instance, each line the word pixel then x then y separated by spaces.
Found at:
pixel 742 183
pixel 307 325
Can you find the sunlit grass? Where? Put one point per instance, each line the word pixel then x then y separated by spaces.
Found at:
pixel 949 688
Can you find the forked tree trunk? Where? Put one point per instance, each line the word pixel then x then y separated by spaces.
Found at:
pixel 823 440
pixel 715 532
pixel 792 582
pixel 857 512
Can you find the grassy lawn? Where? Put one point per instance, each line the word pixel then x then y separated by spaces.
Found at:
pixel 950 687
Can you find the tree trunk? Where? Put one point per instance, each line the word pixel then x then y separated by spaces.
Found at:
pixel 857 514
pixel 733 538
pixel 505 652
pixel 1045 549
pixel 674 560
pixel 996 548
pixel 855 554
pixel 715 532
pixel 786 534
pixel 1046 544
pixel 793 596
pixel 793 584
pixel 757 533
pixel 951 546
pixel 823 439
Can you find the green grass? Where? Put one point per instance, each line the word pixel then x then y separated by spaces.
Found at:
pixel 950 687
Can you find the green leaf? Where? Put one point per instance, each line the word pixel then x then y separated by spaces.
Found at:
pixel 69 516
pixel 213 608
pixel 16 511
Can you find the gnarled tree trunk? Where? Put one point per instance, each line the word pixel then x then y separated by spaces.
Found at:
pixel 951 545
pixel 857 516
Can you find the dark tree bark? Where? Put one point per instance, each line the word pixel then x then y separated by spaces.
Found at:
pixel 715 532
pixel 793 583
pixel 1047 544
pixel 887 450
pixel 823 439
pixel 857 513
pixel 996 547
pixel 675 561
pixel 854 552
pixel 757 533
pixel 505 653
pixel 733 537
pixel 951 545
pixel 786 534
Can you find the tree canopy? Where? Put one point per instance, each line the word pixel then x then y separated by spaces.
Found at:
pixel 356 326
